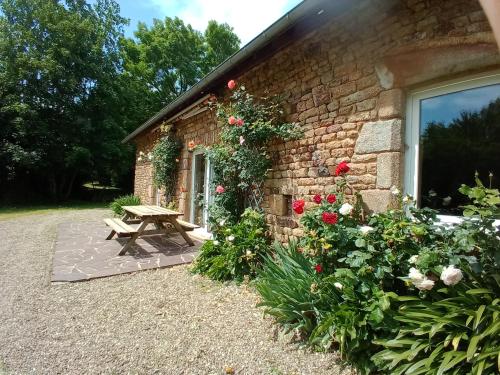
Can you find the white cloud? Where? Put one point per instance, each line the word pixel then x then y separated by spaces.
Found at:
pixel 248 18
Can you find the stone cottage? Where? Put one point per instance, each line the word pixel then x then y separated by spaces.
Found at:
pixel 385 85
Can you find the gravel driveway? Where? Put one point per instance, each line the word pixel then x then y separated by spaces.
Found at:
pixel 153 322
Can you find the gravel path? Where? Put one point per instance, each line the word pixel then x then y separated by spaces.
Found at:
pixel 153 322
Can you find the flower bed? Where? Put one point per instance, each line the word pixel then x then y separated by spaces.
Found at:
pixel 396 293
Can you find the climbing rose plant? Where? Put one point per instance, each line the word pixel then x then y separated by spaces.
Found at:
pixel 242 160
pixel 241 164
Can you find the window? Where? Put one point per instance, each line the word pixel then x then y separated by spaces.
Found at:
pixel 453 130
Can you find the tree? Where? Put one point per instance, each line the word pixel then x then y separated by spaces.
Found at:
pixel 59 60
pixel 166 59
pixel 220 43
pixel 72 87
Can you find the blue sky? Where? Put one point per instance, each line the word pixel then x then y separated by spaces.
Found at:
pixel 248 18
pixel 445 108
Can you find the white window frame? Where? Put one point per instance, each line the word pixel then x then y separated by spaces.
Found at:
pixel 207 193
pixel 412 133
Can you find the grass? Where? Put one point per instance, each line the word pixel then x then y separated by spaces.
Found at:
pixel 12 212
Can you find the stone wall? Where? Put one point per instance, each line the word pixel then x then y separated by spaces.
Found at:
pixel 346 84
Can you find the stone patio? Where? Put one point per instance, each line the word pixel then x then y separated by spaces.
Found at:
pixel 83 253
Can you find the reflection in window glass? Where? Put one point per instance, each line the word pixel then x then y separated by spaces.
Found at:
pixel 459 135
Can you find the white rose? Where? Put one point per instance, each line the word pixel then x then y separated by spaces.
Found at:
pixel 338 285
pixel 415 275
pixel 141 153
pixel 394 190
pixel 139 158
pixel 248 252
pixel 451 275
pixel 425 284
pixel 216 243
pixel 413 259
pixel 230 238
pixel 346 209
pixel 407 198
pixel 365 229
pixel 222 222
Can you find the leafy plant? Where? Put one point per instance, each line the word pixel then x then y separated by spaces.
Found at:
pixel 242 160
pixel 485 202
pixel 287 284
pixel 166 155
pixel 458 333
pixel 403 285
pixel 237 250
pixel 125 200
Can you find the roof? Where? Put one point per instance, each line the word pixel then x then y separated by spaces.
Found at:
pixel 305 17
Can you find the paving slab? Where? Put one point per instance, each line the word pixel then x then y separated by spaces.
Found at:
pixel 81 252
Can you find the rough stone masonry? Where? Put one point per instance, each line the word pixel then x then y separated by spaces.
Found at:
pixel 346 84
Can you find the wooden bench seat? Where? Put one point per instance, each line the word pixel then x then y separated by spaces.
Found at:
pixel 187 226
pixel 120 227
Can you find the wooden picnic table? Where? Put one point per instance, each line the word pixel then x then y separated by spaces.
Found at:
pixel 165 221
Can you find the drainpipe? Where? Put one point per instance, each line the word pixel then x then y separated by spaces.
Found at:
pixel 492 10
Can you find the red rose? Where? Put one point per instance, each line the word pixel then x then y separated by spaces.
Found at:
pixel 329 218
pixel 342 168
pixel 298 206
pixel 231 120
pixel 318 268
pixel 317 198
pixel 239 122
pixel 331 198
pixel 231 84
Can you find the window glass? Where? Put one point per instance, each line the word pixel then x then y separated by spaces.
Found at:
pixel 459 135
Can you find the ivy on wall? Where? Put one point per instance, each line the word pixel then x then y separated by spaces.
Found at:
pixel 166 154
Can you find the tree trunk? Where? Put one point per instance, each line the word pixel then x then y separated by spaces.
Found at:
pixel 69 189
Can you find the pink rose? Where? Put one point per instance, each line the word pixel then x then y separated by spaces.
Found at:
pixel 220 189
pixel 240 122
pixel 231 84
pixel 231 120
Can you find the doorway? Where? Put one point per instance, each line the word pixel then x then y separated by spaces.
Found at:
pixel 200 189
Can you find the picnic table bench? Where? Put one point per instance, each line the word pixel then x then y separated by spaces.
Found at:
pixel 165 221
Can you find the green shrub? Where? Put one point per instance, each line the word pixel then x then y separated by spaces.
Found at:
pixel 236 251
pixel 125 200
pixel 458 332
pixel 400 285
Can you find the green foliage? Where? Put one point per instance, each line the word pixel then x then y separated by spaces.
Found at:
pixel 125 200
pixel 220 43
pixel 242 160
pixel 72 87
pixel 402 286
pixel 458 332
pixel 165 60
pixel 287 285
pixel 485 202
pixel 58 72
pixel 236 251
pixel 166 154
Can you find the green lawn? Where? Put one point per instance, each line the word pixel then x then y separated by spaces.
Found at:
pixel 11 212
